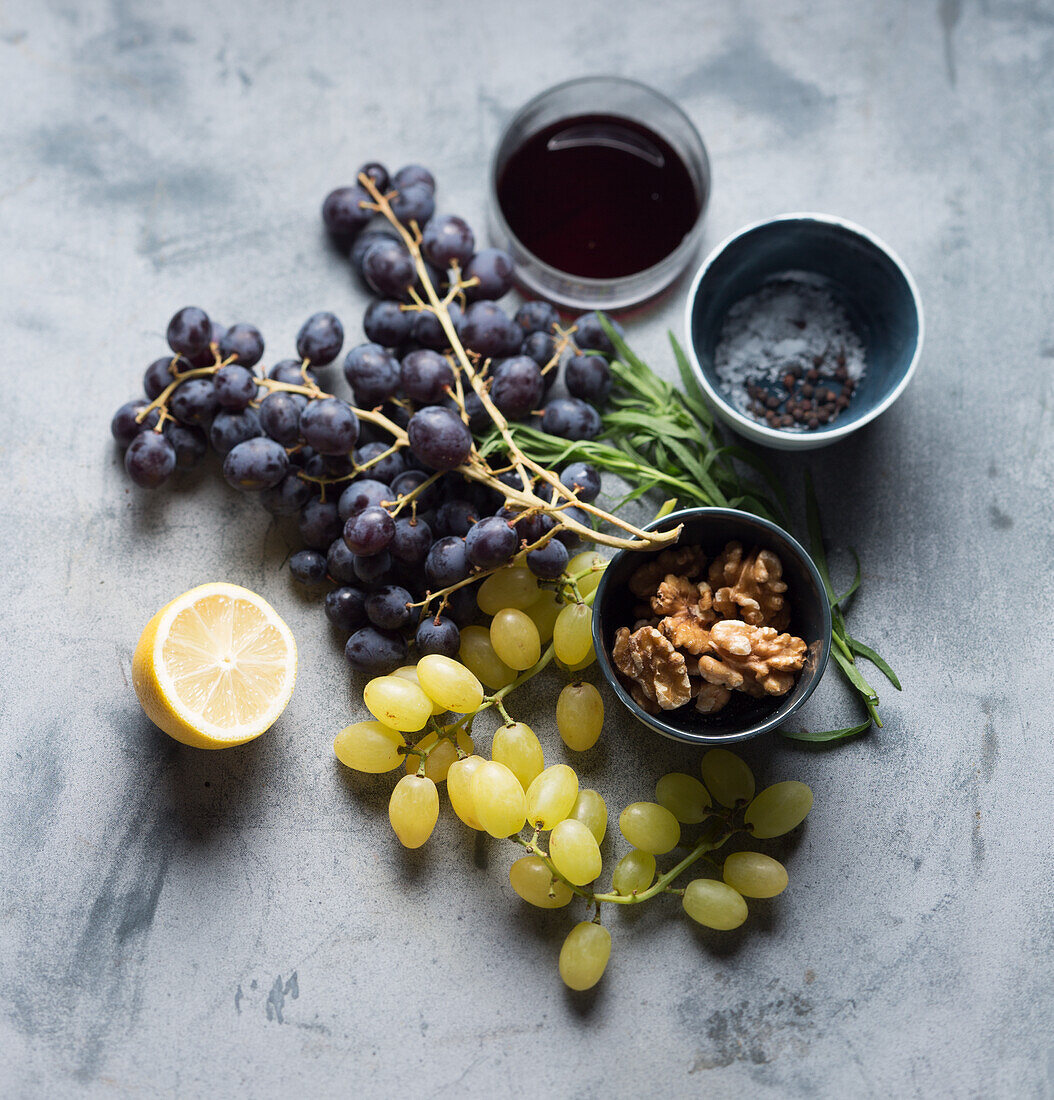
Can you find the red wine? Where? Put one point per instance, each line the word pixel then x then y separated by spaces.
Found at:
pixel 598 196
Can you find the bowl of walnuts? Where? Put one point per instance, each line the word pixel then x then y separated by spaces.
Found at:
pixel 720 637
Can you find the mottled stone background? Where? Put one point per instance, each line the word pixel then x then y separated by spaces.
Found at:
pixel 183 924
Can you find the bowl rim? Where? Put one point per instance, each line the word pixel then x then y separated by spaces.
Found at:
pixel 820 436
pixel 656 722
pixel 589 284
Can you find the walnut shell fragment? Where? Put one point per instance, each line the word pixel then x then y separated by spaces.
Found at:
pixel 649 659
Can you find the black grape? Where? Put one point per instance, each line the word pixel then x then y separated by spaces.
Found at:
pixel 491 542
pixel 345 608
pixel 189 443
pixel 413 174
pixel 446 240
pixel 371 650
pixel 194 401
pixel 330 426
pixel 388 608
pixel 387 323
pixel 369 531
pixel 549 561
pixel 280 417
pixel 364 492
pixel 493 268
pixel 537 317
pixel 439 438
pixel 150 459
pixel 320 338
pixel 255 464
pixel 373 374
pixel 342 213
pixel 189 331
pixel 308 567
pixel 588 377
pixel 124 425
pixel 582 479
pixel 425 376
pixel 231 428
pixel 235 386
pixel 244 342
pixel 438 635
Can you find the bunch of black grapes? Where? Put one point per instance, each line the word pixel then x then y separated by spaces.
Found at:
pixel 372 531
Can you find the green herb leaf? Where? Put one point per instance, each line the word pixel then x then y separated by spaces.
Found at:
pixel 827 736
pixel 856 581
pixel 853 675
pixel 869 654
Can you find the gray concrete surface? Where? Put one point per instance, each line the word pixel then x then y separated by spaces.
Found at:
pixel 184 924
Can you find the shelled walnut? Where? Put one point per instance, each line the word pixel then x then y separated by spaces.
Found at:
pixel 683 561
pixel 749 587
pixel 652 663
pixel 688 612
pixel 701 640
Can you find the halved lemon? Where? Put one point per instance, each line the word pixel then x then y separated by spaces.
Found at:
pixel 215 667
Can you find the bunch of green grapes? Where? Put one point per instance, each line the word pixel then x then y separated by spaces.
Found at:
pixel 514 795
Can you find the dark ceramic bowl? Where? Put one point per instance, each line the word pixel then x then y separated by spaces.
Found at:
pixel 742 717
pixel 862 272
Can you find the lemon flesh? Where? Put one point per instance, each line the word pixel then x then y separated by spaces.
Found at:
pixel 215 667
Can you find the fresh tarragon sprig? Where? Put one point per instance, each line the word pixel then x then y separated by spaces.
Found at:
pixel 658 437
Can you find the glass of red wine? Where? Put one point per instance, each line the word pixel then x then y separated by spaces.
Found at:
pixel 598 188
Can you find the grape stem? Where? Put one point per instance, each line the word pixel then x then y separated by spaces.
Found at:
pixel 663 881
pixel 475 469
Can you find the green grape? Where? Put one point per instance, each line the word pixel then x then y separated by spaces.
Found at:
pixel 513 586
pixel 650 827
pixel 551 796
pixel 498 799
pixel 714 904
pixel 397 703
pixel 591 809
pixel 459 789
pixel 478 656
pixel 531 878
pixel 574 851
pixel 369 747
pixel 437 764
pixel 579 716
pixel 449 683
pixel 589 659
pixel 634 872
pixel 755 875
pixel 684 796
pixel 414 810
pixel 517 747
pixel 573 633
pixel 543 613
pixel 778 809
pixel 727 777
pixel 584 955
pixel 409 672
pixel 515 639
pixel 587 559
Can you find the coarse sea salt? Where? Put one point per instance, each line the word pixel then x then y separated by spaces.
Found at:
pixel 792 321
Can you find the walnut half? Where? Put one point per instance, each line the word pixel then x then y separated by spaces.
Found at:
pixel 688 612
pixel 750 588
pixel 651 662
pixel 763 660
